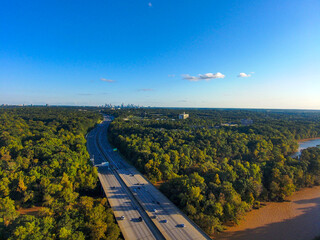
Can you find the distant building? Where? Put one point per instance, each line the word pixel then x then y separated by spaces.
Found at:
pixel 183 116
pixel 246 122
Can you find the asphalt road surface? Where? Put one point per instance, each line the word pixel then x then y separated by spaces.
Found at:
pixel 121 199
pixel 163 213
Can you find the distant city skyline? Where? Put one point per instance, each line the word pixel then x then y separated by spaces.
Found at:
pixel 208 54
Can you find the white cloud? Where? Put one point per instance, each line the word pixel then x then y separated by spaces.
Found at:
pixel 107 80
pixel 206 76
pixel 150 4
pixel 190 78
pixel 244 75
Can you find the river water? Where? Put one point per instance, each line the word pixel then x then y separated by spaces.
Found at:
pixel 303 144
pixel 296 219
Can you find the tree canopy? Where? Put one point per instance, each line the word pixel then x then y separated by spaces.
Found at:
pixel 44 163
pixel 214 165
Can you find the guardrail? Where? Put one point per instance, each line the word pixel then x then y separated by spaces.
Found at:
pixel 204 234
pixel 146 217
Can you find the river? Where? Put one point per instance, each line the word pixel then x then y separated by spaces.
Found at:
pixel 306 143
pixel 296 219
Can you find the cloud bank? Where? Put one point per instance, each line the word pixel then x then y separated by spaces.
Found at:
pixel 206 76
pixel 107 80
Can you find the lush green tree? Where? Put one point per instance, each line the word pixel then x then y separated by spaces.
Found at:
pixel 8 211
pixel 216 171
pixel 44 163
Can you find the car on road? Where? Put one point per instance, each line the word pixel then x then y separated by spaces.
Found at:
pixel 140 219
pixel 181 225
pixel 122 218
pixel 164 221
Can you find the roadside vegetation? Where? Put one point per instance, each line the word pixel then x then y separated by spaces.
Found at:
pixel 48 189
pixel 213 167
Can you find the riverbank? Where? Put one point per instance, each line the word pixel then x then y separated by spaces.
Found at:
pixel 306 143
pixel 308 139
pixel 297 219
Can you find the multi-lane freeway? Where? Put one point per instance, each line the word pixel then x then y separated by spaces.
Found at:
pixel 120 198
pixel 132 196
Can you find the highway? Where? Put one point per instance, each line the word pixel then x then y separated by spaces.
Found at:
pixel 120 198
pixel 167 218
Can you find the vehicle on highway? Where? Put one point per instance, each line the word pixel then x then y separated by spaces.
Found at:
pixel 164 221
pixel 122 218
pixel 181 225
pixel 140 219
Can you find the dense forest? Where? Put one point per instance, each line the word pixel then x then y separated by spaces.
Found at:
pixel 44 167
pixel 218 164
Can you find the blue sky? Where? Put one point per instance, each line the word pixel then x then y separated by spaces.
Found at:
pixel 161 53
